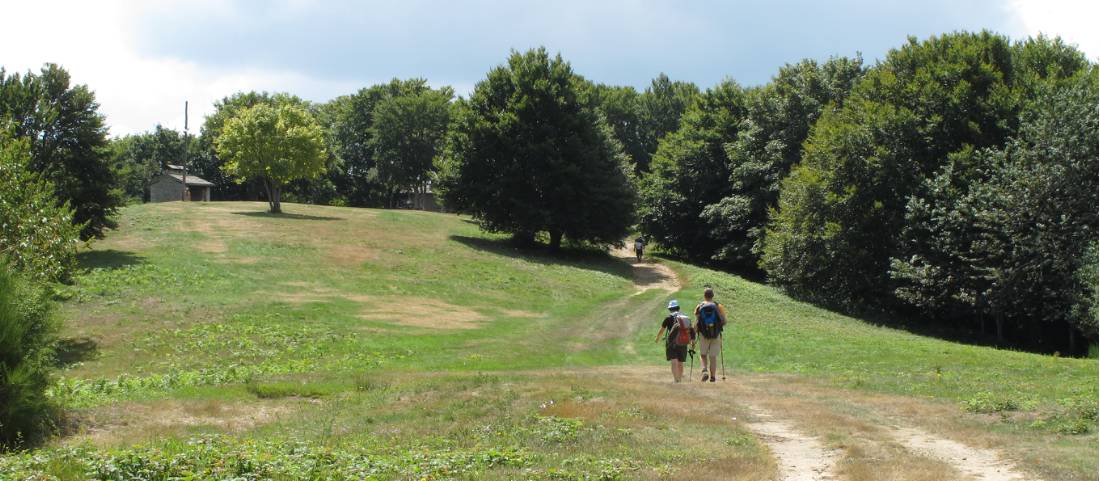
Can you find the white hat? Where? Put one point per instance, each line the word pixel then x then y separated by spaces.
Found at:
pixel 673 304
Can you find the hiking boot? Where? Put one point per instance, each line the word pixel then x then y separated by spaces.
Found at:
pixel 712 379
pixel 705 376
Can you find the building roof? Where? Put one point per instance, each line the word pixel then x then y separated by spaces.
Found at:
pixel 174 167
pixel 192 180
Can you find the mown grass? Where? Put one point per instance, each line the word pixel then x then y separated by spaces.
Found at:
pixel 320 320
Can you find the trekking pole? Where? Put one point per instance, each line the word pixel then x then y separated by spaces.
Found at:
pixel 691 370
pixel 722 354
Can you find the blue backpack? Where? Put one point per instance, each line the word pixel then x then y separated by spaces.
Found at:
pixel 710 322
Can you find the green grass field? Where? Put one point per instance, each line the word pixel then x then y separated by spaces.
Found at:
pixel 213 341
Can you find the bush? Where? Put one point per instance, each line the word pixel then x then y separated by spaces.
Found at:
pixel 26 337
pixel 36 233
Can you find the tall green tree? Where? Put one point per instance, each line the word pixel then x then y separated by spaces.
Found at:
pixel 769 142
pixel 528 156
pixel 407 132
pixel 348 121
pixel 1011 246
pixel 67 141
pixel 690 172
pixel 662 104
pixel 621 108
pixel 276 144
pixel 840 212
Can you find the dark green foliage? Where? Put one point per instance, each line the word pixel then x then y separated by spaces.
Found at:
pixel 621 108
pixel 927 105
pixel 137 159
pixel 662 106
pixel 691 171
pixel 348 121
pixel 1013 245
pixel 26 334
pixel 958 178
pixel 36 234
pixel 768 144
pixel 406 133
pixel 527 156
pixel 67 141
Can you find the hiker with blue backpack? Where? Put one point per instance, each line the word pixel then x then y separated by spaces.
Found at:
pixel 680 335
pixel 710 320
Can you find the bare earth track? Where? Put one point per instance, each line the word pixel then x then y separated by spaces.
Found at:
pixel 800 456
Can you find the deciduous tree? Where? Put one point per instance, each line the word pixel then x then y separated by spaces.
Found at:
pixel 528 156
pixel 276 144
pixel 67 137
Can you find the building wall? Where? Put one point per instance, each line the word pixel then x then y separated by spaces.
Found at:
pixel 165 189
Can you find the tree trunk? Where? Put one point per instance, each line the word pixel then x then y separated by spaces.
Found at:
pixel 1072 340
pixel 555 239
pixel 268 184
pixel 276 207
pixel 1000 329
pixel 523 238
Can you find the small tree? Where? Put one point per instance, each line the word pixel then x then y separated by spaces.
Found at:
pixel 36 234
pixel 276 144
pixel 26 334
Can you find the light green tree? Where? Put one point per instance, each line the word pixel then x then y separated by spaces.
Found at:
pixel 275 143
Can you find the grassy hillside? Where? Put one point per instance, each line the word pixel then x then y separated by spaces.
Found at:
pixel 334 342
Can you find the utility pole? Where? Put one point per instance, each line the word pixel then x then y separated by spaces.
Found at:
pixel 183 161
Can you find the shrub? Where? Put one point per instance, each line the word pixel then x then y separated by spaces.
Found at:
pixel 26 335
pixel 36 233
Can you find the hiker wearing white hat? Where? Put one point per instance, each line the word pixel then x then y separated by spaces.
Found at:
pixel 681 334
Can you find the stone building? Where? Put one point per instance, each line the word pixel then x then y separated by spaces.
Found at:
pixel 169 186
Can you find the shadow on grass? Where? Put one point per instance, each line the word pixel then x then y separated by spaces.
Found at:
pixel 286 215
pixel 73 350
pixel 107 259
pixel 588 259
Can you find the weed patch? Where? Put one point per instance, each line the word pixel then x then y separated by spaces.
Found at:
pixel 225 458
pixel 987 403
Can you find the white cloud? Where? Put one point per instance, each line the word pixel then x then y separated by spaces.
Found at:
pixel 1073 20
pixel 99 43
pixel 95 42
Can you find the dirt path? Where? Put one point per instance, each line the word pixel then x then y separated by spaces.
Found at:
pixel 648 275
pixel 980 464
pixel 800 456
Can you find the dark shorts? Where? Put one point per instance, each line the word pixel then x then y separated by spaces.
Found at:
pixel 673 351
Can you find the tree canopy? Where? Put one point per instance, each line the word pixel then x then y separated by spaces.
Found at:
pixel 407 132
pixel 275 143
pixel 67 138
pixel 690 171
pixel 526 155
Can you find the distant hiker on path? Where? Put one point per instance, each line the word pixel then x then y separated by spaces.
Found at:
pixel 639 247
pixel 710 319
pixel 680 336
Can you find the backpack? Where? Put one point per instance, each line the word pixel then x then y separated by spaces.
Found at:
pixel 710 321
pixel 681 332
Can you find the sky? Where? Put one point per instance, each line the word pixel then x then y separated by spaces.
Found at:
pixel 143 59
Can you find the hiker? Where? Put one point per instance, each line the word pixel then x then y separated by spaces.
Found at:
pixel 710 320
pixel 639 247
pixel 680 336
